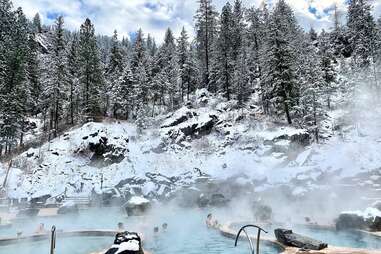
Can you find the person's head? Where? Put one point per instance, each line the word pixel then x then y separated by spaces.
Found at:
pixel 165 226
pixel 209 217
pixel 156 229
pixel 120 225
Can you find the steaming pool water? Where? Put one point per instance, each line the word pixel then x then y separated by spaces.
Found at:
pixel 186 233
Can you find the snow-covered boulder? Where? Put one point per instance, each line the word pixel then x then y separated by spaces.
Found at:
pixel 137 206
pixel 104 151
pixel 180 116
pixel 68 207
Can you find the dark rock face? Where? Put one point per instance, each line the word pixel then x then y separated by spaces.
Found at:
pixel 302 138
pixel 194 130
pixel 354 221
pixel 288 238
pixel 350 221
pixel 106 153
pixel 180 119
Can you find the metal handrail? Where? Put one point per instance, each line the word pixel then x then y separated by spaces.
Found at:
pixel 53 240
pixel 248 237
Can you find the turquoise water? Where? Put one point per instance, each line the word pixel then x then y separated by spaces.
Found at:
pixel 186 233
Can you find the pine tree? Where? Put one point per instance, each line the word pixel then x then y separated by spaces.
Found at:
pixel 166 71
pixel 123 92
pixel 73 79
pixel 242 78
pixel 114 68
pixel 238 28
pixel 224 57
pixel 91 75
pixel 59 77
pixel 310 107
pixel 280 73
pixel 257 34
pixel 186 65
pixel 13 90
pixel 37 26
pixel 206 27
pixel 361 29
pixel 326 56
pixel 33 76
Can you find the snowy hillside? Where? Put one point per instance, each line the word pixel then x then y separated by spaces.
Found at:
pixel 209 137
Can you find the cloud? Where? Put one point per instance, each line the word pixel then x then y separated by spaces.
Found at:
pixel 154 16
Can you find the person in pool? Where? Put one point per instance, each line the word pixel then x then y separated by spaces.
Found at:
pixel 210 223
pixel 121 227
pixel 41 229
pixel 164 227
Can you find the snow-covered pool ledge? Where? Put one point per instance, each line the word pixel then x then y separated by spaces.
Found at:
pixel 227 231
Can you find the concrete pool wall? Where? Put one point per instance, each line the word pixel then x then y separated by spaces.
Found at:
pixel 74 233
pixel 227 231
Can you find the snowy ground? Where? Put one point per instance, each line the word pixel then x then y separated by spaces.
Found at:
pixel 240 143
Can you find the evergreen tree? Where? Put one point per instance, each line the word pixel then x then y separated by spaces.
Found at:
pixel 37 26
pixel 59 80
pixel 280 74
pixel 115 67
pixel 361 30
pixel 224 57
pixel 326 56
pixel 33 76
pixel 91 75
pixel 310 105
pixel 13 90
pixel 206 27
pixel 123 92
pixel 238 28
pixel 73 72
pixel 186 65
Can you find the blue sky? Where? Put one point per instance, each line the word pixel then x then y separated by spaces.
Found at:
pixel 154 16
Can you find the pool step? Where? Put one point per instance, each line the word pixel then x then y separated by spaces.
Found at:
pixel 80 201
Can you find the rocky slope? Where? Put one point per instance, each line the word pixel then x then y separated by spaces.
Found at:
pixel 207 142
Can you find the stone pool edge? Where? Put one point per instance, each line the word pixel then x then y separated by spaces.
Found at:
pixel 227 231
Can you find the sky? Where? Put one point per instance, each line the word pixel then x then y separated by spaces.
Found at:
pixel 154 16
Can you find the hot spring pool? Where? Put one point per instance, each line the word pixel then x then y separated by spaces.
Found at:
pixel 70 245
pixel 186 233
pixel 352 239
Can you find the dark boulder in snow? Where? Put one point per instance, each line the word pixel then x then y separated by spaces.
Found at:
pixel 106 153
pixel 370 219
pixel 126 243
pixel 194 129
pixel 182 115
pixel 288 238
pixel 350 221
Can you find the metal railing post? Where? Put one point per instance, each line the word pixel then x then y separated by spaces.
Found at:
pixel 248 237
pixel 53 240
